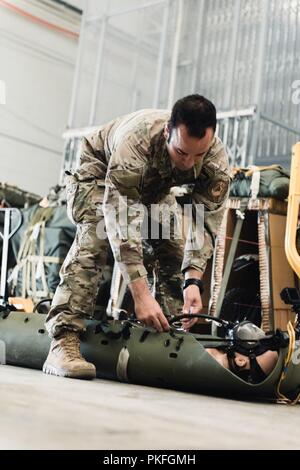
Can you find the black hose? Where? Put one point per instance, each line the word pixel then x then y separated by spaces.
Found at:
pixel 35 308
pixel 176 318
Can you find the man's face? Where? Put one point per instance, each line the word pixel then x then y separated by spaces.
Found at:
pixel 267 360
pixel 185 151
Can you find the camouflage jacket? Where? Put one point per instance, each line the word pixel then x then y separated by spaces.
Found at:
pixel 129 157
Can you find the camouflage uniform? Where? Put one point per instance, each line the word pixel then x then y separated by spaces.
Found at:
pixel 128 158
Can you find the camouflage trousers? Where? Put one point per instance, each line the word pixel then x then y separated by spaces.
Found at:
pixel 82 270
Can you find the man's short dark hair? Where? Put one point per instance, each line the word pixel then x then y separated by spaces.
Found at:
pixel 196 113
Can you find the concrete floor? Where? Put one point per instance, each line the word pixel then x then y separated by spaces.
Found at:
pixel 39 411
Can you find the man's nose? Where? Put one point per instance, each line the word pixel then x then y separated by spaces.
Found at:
pixel 188 163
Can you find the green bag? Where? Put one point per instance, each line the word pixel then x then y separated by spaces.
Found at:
pixel 269 181
pixel 13 196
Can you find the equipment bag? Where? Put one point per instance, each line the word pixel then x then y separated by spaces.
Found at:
pixel 266 181
pixel 40 246
pixel 12 196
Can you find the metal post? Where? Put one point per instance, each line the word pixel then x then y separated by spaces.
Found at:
pixel 70 123
pixel 136 60
pixel 236 126
pixel 175 55
pixel 161 54
pixel 5 240
pixel 117 293
pixel 198 38
pixel 6 235
pixel 230 259
pixel 232 58
pixel 245 141
pixel 66 154
pixel 259 79
pixel 98 73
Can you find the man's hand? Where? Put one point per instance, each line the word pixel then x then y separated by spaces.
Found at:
pixel 146 308
pixel 192 304
pixel 148 311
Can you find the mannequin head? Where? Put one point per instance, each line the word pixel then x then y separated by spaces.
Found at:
pixel 240 364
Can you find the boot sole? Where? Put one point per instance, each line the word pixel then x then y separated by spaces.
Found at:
pixel 79 374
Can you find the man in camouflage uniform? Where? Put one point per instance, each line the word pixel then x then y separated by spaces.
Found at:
pixel 136 159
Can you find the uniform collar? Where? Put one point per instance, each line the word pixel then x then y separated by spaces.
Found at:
pixel 161 157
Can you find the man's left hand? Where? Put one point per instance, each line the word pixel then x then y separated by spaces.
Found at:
pixel 192 304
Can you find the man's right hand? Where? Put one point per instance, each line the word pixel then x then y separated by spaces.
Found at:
pixel 146 308
pixel 148 311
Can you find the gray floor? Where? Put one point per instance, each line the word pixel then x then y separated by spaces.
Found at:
pixel 38 411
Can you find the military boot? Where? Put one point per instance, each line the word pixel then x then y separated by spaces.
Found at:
pixel 64 358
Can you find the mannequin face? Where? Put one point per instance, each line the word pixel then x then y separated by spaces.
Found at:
pixel 266 361
pixel 185 151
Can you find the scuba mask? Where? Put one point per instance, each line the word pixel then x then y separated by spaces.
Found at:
pixel 245 338
pixel 251 341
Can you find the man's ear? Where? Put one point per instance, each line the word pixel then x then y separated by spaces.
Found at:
pixel 166 132
pixel 241 360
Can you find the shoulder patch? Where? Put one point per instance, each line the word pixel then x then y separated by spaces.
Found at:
pixel 218 189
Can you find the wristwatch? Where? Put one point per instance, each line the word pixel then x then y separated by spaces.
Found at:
pixel 196 282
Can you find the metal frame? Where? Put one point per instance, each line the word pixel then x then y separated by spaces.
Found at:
pixel 70 122
pixel 214 55
pixel 6 236
pixel 98 74
pixel 233 127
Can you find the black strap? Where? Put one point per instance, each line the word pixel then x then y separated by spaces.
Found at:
pixel 196 282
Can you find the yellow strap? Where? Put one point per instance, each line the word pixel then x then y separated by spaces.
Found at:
pixel 282 398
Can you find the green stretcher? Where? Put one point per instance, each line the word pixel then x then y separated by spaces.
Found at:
pixel 130 352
